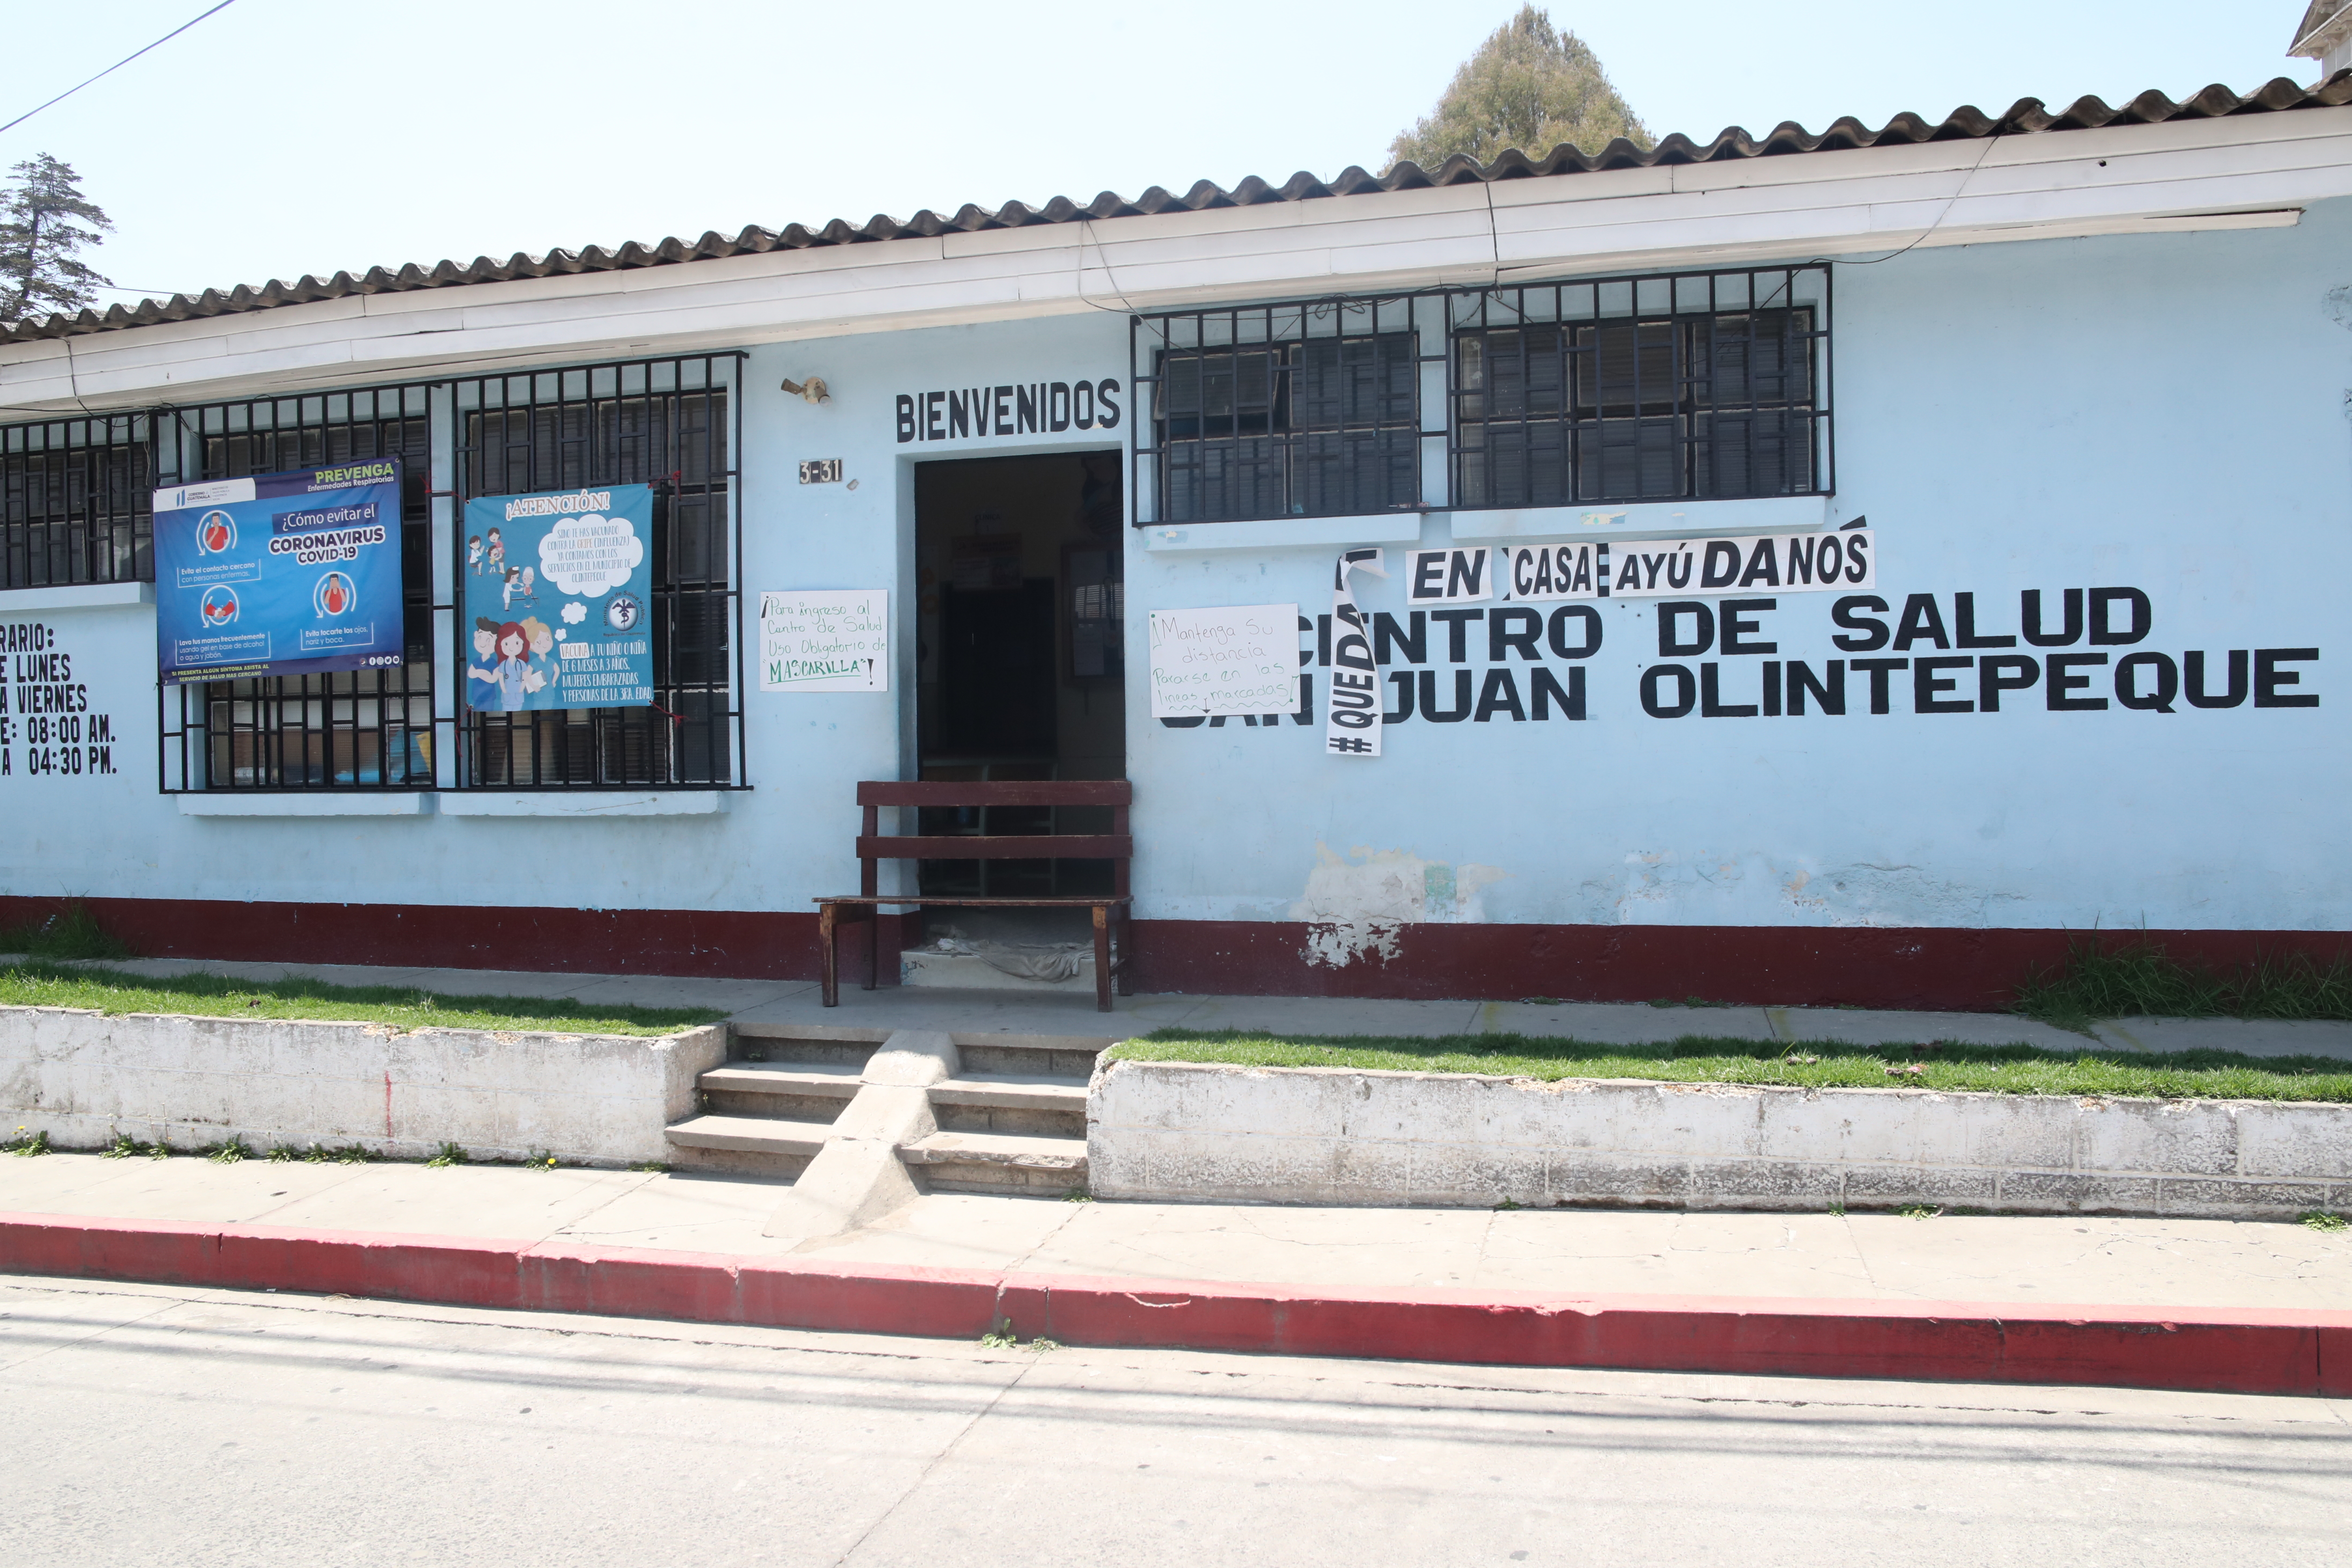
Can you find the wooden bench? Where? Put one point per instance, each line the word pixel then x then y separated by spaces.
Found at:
pixel 874 846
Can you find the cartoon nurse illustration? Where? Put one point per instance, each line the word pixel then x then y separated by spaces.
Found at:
pixel 513 585
pixel 474 554
pixel 513 649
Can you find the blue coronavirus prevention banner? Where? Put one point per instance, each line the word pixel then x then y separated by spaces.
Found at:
pixel 556 592
pixel 280 573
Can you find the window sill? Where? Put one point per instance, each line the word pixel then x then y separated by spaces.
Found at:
pixel 76 596
pixel 575 803
pixel 322 802
pixel 1652 520
pixel 1283 532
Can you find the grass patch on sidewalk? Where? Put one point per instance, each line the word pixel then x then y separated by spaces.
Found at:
pixel 2132 978
pixel 70 932
pixel 215 997
pixel 1699 1058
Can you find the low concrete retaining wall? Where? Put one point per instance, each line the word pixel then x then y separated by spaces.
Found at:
pixel 1181 1130
pixel 87 1079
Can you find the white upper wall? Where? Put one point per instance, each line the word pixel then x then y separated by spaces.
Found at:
pixel 2251 171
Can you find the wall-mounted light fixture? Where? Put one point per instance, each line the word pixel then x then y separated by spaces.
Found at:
pixel 812 390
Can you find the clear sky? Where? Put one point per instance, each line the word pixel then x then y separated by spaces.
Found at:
pixel 281 138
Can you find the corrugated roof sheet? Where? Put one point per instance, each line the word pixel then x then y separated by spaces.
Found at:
pixel 2028 116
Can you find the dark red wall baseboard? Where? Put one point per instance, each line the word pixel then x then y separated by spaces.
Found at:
pixel 1755 965
pixel 742 944
pixel 1792 966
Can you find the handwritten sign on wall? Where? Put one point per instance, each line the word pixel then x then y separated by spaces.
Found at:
pixel 824 639
pixel 1226 659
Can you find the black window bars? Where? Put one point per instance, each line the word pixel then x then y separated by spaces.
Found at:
pixel 1303 410
pixel 672 424
pixel 77 501
pixel 1696 387
pixel 358 729
pixel 1706 385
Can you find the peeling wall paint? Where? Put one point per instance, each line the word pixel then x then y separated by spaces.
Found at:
pixel 1662 887
pixel 1354 907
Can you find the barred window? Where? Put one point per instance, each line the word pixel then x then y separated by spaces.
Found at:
pixel 354 729
pixel 1288 411
pixel 76 502
pixel 1701 387
pixel 665 423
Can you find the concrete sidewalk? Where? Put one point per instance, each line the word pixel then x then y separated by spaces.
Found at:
pixel 794 1003
pixel 2184 1264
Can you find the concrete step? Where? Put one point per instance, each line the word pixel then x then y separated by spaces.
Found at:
pixel 830 1080
pixel 1068 1056
pixel 1029 1092
pixel 803 1044
pixel 998 1163
pixel 745 1145
pixel 1059 1056
pixel 1025 1104
pixel 797 1090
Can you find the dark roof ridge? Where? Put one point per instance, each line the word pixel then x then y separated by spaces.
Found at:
pixel 2027 116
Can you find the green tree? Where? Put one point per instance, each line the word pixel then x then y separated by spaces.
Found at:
pixel 44 222
pixel 1531 87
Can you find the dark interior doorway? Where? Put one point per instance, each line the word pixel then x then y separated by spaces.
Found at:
pixel 1021 605
pixel 998 692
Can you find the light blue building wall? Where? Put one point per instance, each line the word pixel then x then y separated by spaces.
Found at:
pixel 2166 413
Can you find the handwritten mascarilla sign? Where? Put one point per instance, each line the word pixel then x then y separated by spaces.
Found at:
pixel 824 639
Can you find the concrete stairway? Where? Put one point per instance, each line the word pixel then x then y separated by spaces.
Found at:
pixel 1010 1117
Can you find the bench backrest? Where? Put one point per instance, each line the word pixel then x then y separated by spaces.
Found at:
pixel 1116 846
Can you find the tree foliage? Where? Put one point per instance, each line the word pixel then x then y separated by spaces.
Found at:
pixel 1529 86
pixel 43 224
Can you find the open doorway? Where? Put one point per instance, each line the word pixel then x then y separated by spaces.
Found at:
pixel 1021 672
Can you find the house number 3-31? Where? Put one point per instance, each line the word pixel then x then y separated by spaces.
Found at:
pixel 822 471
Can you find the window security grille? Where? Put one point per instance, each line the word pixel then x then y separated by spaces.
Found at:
pixel 1308 410
pixel 672 424
pixel 76 502
pixel 1692 386
pixel 1697 387
pixel 360 729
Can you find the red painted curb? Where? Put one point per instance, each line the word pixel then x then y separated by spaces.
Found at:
pixel 2241 1351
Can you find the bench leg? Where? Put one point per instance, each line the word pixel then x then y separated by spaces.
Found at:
pixel 1102 959
pixel 874 950
pixel 827 921
pixel 1126 950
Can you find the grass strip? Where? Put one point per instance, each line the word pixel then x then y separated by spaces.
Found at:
pixel 39 985
pixel 1701 1058
pixel 2132 978
pixel 70 932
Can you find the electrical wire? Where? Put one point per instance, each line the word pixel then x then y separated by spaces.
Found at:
pixel 1086 233
pixel 117 65
pixel 1949 203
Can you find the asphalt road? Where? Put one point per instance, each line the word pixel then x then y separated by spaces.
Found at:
pixel 158 1427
